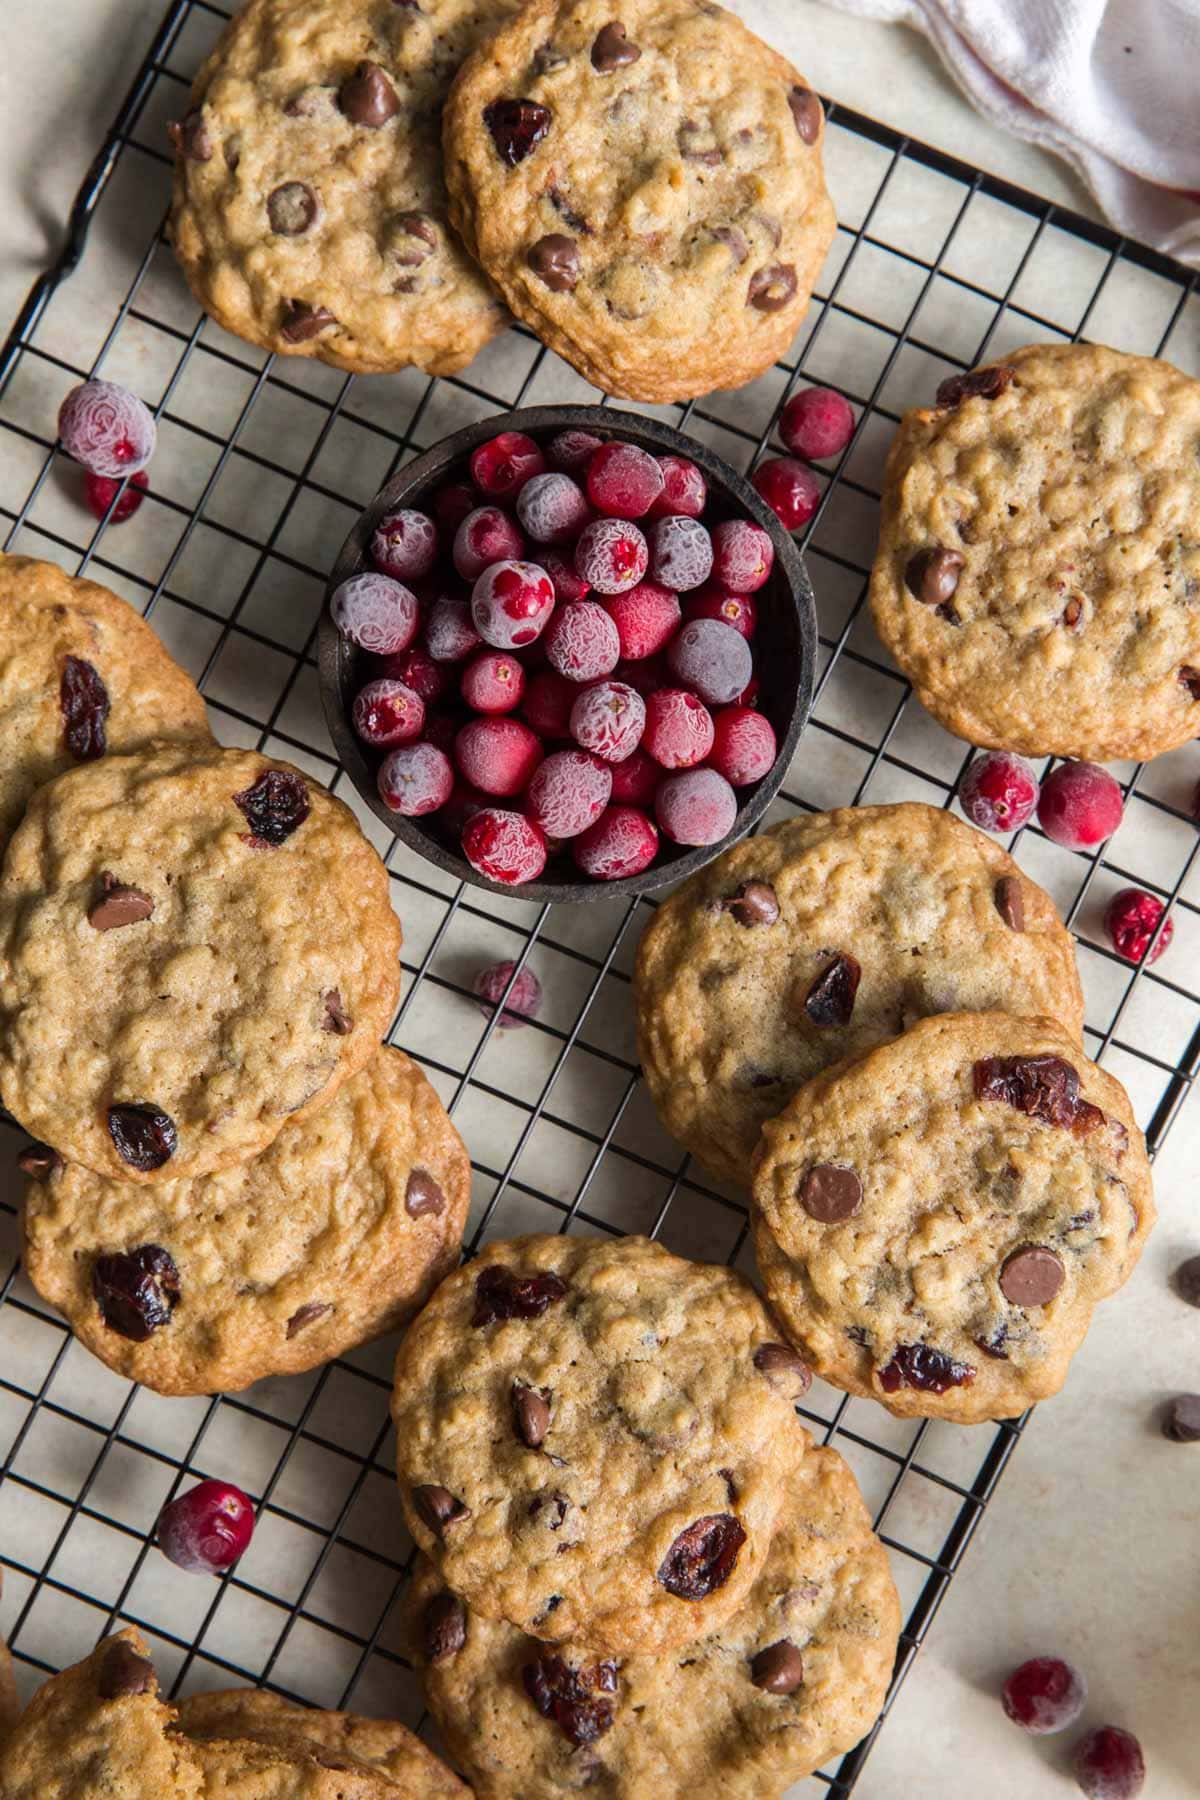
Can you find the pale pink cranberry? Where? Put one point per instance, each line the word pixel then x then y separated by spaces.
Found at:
pixel 621 843
pixel 716 602
pixel 485 536
pixel 549 698
pixel 1109 1764
pixel 100 491
pixel 107 429
pixel 572 450
pixel 449 633
pixel 623 480
pixel 416 779
pixel 608 719
pixel 681 553
pixel 695 807
pixel 1044 1695
pixel 511 604
pixel 744 747
pixel 1131 919
pixel 789 488
pixel 523 1001
pixel 206 1529
pixel 684 489
pixel 386 712
pixel 611 555
pixel 999 791
pixel 376 613
pixel 505 846
pixel 712 658
pixel 553 508
pixel 503 465
pixel 646 619
pixel 817 423
pixel 418 671
pixel 679 729
pixel 635 779
pixel 582 642
pixel 568 582
pixel 498 756
pixel 1080 805
pixel 493 682
pixel 568 793
pixel 452 503
pixel 743 555
pixel 405 544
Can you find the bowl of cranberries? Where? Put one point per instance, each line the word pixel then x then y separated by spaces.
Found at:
pixel 568 653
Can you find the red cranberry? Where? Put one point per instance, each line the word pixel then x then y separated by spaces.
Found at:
pixel 681 555
pixel 206 1529
pixel 713 601
pixel 568 582
pixel 101 490
pixel 568 793
pixel 646 675
pixel 623 481
pixel 684 489
pixel 816 424
pixel 744 747
pixel 552 508
pixel 449 633
pixel 524 1000
pixel 999 791
pixel 1130 920
pixel 622 842
pixel 635 779
pixel 790 489
pixel 749 694
pixel 711 658
pixel 498 756
pixel 452 503
pixel 405 544
pixel 548 702
pixel 376 613
pixel 608 719
pixel 611 555
pixel 743 555
pixel 503 465
pixel 1080 805
pixel 511 604
pixel 463 803
pixel 505 846
pixel 415 780
pixel 1109 1764
pixel 646 618
pixel 1044 1694
pixel 582 642
pixel 485 536
pixel 107 429
pixel 695 807
pixel 494 682
pixel 386 712
pixel 679 729
pixel 418 671
pixel 572 450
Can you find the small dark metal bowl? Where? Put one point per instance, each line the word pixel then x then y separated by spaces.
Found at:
pixel 785 644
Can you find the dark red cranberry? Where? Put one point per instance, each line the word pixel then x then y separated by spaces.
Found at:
pixel 501 1293
pixel 921 1366
pixel 830 999
pixel 136 1290
pixel 1045 1087
pixel 101 490
pixel 571 1696
pixel 274 806
pixel 517 127
pixel 145 1136
pixel 83 702
pixel 206 1529
pixel 1109 1764
pixel 1045 1694
pixel 703 1557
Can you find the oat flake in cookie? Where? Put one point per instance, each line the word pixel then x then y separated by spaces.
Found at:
pixel 1038 572
pixel 166 1043
pixel 643 182
pixel 309 212
pixel 586 1443
pixel 936 1220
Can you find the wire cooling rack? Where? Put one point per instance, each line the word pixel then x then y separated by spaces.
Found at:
pixel 260 470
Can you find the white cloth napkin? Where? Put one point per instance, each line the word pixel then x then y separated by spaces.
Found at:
pixel 1113 86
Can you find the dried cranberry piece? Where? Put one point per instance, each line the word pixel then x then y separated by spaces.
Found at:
pixel 830 999
pixel 274 806
pixel 136 1290
pixel 145 1136
pixel 921 1366
pixel 568 1696
pixel 501 1293
pixel 984 383
pixel 517 127
pixel 1045 1087
pixel 703 1557
pixel 83 702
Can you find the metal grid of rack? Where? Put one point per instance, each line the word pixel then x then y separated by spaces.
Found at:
pixel 261 467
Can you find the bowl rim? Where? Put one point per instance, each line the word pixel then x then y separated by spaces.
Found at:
pixel 434 464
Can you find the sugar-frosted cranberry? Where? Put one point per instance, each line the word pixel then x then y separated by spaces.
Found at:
pixel 684 489
pixel 582 642
pixel 505 846
pixel 681 553
pixel 462 803
pixel 744 747
pixel 789 488
pixel 497 755
pixel 646 675
pixel 1080 805
pixel 646 618
pixel 449 632
pixel 418 671
pixel 611 555
pixel 713 601
pixel 485 536
pixel 999 791
pixel 568 793
pixel 1131 919
pixel 376 613
pixel 441 728
pixel 572 450
pixel 568 582
pixel 679 729
pixel 548 700
pixel 493 682
pixel 415 779
pixel 1044 1695
pixel 817 423
pixel 552 508
pixel 106 428
pixel 623 480
pixel 1109 1764
pixel 524 1000
pixel 695 807
pixel 635 779
pixel 452 503
pixel 101 490
pixel 622 842
pixel 206 1529
pixel 387 712
pixel 608 719
pixel 405 544
pixel 743 555
pixel 511 604
pixel 503 465
pixel 749 694
pixel 712 658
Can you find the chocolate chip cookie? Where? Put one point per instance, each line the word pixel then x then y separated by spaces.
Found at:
pixel 642 180
pixel 1038 572
pixel 594 1438
pixel 81 673
pixel 936 1220
pixel 309 211
pixel 196 944
pixel 825 935
pixel 335 1234
pixel 796 1676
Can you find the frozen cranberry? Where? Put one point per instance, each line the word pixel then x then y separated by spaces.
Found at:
pixel 749 694
pixel 548 702
pixel 608 719
pixel 611 555
pixel 1130 920
pixel 1109 1764
pixel 494 682
pixel 646 675
pixel 1044 1694
pixel 418 671
pixel 568 582
pixel 206 1529
pixel 712 658
pixel 635 779
pixel 497 755
pixel 416 780
pixel 623 481
pixel 568 793
pixel 713 601
pixel 452 503
pixel 744 747
pixel 463 803
pixel 107 429
pixel 646 618
pixel 503 465
pixel 405 544
pixel 684 489
pixel 622 842
pixel 552 508
pixel 999 791
pixel 485 536
pixel 505 846
pixel 789 488
pixel 524 1000
pixel 449 633
pixel 376 613
pixel 387 712
pixel 681 553
pixel 816 424
pixel 582 641
pixel 743 555
pixel 679 729
pixel 101 490
pixel 511 603
pixel 572 450
pixel 695 807
pixel 1080 805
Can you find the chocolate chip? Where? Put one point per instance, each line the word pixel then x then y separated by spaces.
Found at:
pixel 422 1195
pixel 993 1345
pixel 1032 1276
pixel 145 1136
pixel 437 1507
pixel 734 240
pixel 921 1366
pixel 558 1501
pixel 1191 680
pixel 612 49
pixel 1010 902
pixel 772 289
pixel 779 1669
pixel 337 1019
pixel 984 384
pixel 124 1672
pixel 444 1627
pixel 703 1557
pixel 420 239
pixel 565 210
pixel 1187 1275
pixel 830 999
pixel 698 144
pixel 292 208
pixel 548 57
pixel 1181 1420
pixel 785 1367
pixel 516 127
pixel 191 137
pixel 39 1161
pixel 554 259
pixel 753 904
pixel 829 1193
pixel 501 1293
pixel 118 905
pixel 136 1290
pixel 274 806
pixel 306 1314
pixel 531 1414
pixel 932 575
pixel 302 321
pixel 806 110
pixel 367 97
pixel 83 702
pixel 731 1488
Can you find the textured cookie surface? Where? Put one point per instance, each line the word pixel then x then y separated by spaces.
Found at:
pixel 195 944
pixel 1038 572
pixel 80 673
pixel 821 1621
pixel 337 1232
pixel 309 212
pixel 936 1221
pixel 746 983
pixel 586 1446
pixel 643 182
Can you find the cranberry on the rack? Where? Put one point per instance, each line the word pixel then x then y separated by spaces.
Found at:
pixel 101 490
pixel 207 1529
pixel 744 747
pixel 789 488
pixel 376 613
pixel 1044 1695
pixel 511 604
pixel 646 618
pixel 999 791
pixel 684 488
pixel 107 429
pixel 568 793
pixel 621 843
pixel 505 846
pixel 498 755
pixel 553 508
pixel 697 806
pixel 608 719
pixel 681 553
pixel 493 682
pixel 611 555
pixel 623 480
pixel 485 536
pixel 711 658
pixel 450 634
pixel 582 641
pixel 679 729
pixel 524 1000
pixel 743 555
pixel 503 465
pixel 415 779
pixel 713 601
pixel 547 705
pixel 817 423
pixel 405 544
pixel 1131 919
pixel 1080 805
pixel 386 712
